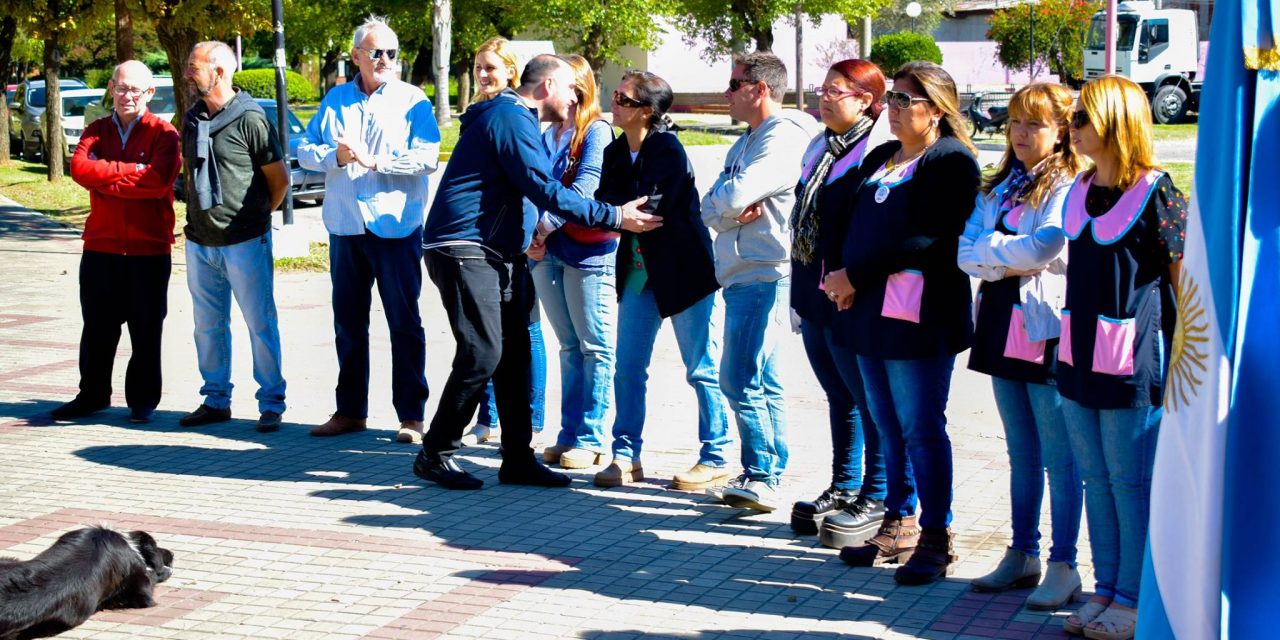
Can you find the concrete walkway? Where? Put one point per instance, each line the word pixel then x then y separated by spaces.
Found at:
pixel 287 536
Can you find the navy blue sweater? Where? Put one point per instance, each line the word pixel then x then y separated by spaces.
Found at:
pixel 499 161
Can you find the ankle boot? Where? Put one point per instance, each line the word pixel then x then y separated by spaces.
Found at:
pixel 932 559
pixel 893 543
pixel 1016 570
pixel 1061 586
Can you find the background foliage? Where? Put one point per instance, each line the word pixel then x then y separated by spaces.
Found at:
pixel 1061 27
pixel 893 50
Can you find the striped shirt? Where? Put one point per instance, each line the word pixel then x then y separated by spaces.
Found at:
pixel 397 126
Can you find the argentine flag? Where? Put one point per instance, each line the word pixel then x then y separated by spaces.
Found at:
pixel 1213 554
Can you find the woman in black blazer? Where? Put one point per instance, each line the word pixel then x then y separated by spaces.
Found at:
pixel 665 273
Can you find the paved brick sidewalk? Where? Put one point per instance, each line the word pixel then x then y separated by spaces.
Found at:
pixel 286 536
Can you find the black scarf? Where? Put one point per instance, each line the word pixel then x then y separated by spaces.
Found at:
pixel 804 221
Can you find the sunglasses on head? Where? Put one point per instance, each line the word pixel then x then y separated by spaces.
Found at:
pixel 1080 119
pixel 900 99
pixel 624 100
pixel 374 54
pixel 737 83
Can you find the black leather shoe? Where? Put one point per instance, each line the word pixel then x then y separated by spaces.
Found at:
pixel 77 408
pixel 852 525
pixel 444 471
pixel 528 471
pixel 806 517
pixel 269 421
pixel 140 415
pixel 204 414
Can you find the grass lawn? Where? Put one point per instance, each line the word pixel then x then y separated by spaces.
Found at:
pixel 1182 174
pixel 316 260
pixel 1162 133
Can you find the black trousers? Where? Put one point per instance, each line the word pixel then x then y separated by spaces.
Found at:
pixel 115 290
pixel 488 301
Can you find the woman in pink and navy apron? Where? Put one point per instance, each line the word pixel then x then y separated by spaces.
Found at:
pixel 911 311
pixel 850 510
pixel 1014 243
pixel 1124 222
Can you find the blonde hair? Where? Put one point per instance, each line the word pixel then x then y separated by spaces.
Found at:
pixel 1046 102
pixel 1119 111
pixel 584 80
pixel 940 89
pixel 501 47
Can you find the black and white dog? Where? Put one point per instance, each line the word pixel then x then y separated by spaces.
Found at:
pixel 85 571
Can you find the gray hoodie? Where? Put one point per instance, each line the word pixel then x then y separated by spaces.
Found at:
pixel 762 166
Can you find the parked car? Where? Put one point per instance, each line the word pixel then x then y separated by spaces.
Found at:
pixel 305 184
pixel 74 102
pixel 162 104
pixel 26 112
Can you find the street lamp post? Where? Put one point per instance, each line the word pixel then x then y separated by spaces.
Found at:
pixel 913 10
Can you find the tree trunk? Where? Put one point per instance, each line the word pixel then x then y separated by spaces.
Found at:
pixel 763 35
pixel 420 70
pixel 799 57
pixel 441 45
pixel 328 70
pixel 464 91
pixel 124 32
pixel 8 32
pixel 54 144
pixel 177 42
pixel 593 46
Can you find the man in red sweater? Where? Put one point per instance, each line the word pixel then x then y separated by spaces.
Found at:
pixel 128 163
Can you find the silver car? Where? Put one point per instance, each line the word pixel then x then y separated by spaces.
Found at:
pixel 26 113
pixel 74 102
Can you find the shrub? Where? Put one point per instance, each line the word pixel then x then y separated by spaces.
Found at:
pixel 97 78
pixel 893 50
pixel 156 61
pixel 261 83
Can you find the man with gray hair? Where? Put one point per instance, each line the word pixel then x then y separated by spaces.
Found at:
pixel 235 177
pixel 128 162
pixel 375 138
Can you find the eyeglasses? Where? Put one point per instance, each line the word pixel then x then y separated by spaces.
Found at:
pixel 1080 119
pixel 623 100
pixel 832 93
pixel 900 99
pixel 737 83
pixel 132 92
pixel 374 54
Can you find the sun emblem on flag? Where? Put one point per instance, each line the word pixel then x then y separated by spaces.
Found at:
pixel 1190 339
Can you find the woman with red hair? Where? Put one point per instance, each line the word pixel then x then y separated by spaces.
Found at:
pixel 850 510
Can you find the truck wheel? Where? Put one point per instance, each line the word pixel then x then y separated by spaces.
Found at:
pixel 1169 106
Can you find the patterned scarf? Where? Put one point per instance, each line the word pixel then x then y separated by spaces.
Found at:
pixel 804 219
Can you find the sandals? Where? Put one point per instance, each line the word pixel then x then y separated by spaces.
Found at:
pixel 1114 624
pixel 1076 622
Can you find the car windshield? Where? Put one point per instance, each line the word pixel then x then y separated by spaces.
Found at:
pixel 1126 28
pixel 295 125
pixel 163 101
pixel 39 99
pixel 75 106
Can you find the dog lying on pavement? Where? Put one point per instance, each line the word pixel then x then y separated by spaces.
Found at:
pixel 85 571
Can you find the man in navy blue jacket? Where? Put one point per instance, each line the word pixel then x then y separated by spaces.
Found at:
pixel 474 241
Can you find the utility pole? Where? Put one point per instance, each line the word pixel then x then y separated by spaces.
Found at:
pixel 866 38
pixel 1031 68
pixel 282 101
pixel 799 57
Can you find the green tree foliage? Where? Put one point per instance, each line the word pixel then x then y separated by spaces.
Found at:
pixel 893 50
pixel 893 17
pixel 729 25
pixel 261 83
pixel 599 30
pixel 1060 30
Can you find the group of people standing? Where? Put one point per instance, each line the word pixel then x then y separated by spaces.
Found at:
pixel 864 243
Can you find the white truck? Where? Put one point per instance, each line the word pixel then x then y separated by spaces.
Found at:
pixel 1157 48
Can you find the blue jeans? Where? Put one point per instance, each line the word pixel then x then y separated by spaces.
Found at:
pixel 853 432
pixel 756 315
pixel 1037 440
pixel 356 263
pixel 638 324
pixel 246 270
pixel 488 413
pixel 908 399
pixel 580 305
pixel 1115 449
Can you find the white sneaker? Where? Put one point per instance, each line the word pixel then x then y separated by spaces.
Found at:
pixel 756 495
pixel 718 492
pixel 475 434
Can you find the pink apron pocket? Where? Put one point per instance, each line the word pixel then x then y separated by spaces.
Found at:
pixel 1064 342
pixel 902 295
pixel 1017 345
pixel 1113 346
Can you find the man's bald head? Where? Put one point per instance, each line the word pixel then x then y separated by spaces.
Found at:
pixel 131 87
pixel 134 74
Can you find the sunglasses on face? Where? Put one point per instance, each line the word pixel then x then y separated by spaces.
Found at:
pixel 374 54
pixel 623 100
pixel 738 83
pixel 900 99
pixel 1080 119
